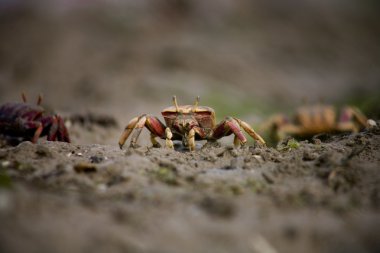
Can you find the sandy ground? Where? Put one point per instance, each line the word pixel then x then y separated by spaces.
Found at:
pixel 99 67
pixel 322 196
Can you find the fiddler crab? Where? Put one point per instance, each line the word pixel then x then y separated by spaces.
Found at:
pixel 27 121
pixel 187 123
pixel 317 119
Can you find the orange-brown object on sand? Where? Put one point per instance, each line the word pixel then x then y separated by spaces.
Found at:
pixel 187 123
pixel 316 119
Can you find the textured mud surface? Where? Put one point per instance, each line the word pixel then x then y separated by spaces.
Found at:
pixel 318 196
pixel 101 65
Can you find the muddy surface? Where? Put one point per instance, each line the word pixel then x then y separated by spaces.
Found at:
pixel 321 195
pixel 100 65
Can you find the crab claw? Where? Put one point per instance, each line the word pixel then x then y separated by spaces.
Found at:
pixel 127 131
pixel 52 136
pixel 247 128
pixel 62 133
pixel 57 129
pixel 152 123
pixel 232 125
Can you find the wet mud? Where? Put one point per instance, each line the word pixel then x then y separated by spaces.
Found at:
pixel 321 195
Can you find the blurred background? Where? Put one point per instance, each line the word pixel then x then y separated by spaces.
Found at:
pixel 245 58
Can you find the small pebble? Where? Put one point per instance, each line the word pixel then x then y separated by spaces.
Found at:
pixel 5 164
pixel 234 153
pixel 371 123
pixel 258 158
pixel 101 188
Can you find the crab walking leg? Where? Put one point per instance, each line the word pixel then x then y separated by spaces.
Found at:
pixel 57 129
pixel 38 132
pixel 32 125
pixel 227 127
pixel 250 131
pixel 127 131
pixel 169 136
pixel 287 130
pixel 23 97
pixel 350 113
pixel 52 136
pixel 236 141
pixel 63 135
pixel 153 124
pixel 347 127
pixel 137 131
pixel 239 138
pixel 153 140
pixel 199 131
pixel 156 128
pixel 39 99
pixel 191 139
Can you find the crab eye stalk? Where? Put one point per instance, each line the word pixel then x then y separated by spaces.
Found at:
pixel 23 96
pixel 196 104
pixel 39 99
pixel 175 103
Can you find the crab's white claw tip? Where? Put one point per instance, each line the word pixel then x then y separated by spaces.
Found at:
pixel 371 123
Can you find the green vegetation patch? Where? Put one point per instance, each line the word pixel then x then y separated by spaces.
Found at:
pixel 288 145
pixel 5 180
pixel 167 176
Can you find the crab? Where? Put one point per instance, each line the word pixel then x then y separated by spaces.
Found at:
pixel 317 119
pixel 26 121
pixel 187 123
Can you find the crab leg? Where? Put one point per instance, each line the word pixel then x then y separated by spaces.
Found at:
pixel 349 113
pixel 57 129
pixel 138 128
pixel 347 127
pixel 23 97
pixel 127 131
pixel 289 129
pixel 198 130
pixel 38 132
pixel 52 136
pixel 250 131
pixel 169 135
pixel 39 99
pixel 33 125
pixel 51 124
pixel 153 140
pixel 232 125
pixel 227 127
pixel 191 139
pixel 152 123
pixel 63 135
